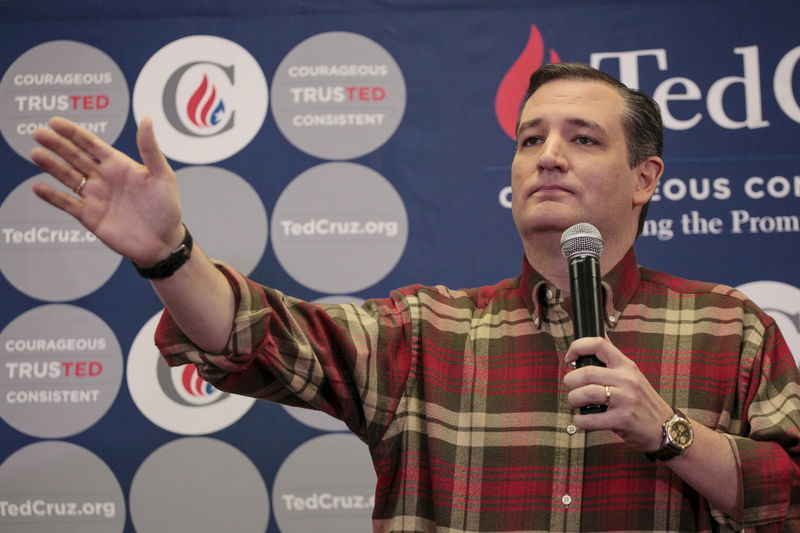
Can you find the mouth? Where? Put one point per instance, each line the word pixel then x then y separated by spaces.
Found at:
pixel 550 190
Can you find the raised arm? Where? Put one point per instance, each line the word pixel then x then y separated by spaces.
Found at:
pixel 135 210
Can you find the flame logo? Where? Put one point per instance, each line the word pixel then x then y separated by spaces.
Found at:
pixel 194 384
pixel 190 389
pixel 204 107
pixel 184 386
pixel 515 82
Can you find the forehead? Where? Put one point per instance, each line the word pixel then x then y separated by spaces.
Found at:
pixel 587 100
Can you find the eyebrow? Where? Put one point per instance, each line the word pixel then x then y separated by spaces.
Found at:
pixel 580 122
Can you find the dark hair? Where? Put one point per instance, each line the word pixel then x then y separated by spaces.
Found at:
pixel 644 130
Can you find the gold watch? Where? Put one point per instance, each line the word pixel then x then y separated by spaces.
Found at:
pixel 677 436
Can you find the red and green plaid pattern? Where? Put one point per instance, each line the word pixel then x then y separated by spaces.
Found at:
pixel 459 396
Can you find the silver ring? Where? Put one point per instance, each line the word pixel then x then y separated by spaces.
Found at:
pixel 81 185
pixel 608 396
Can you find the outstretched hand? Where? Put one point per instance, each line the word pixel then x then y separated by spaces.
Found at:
pixel 133 208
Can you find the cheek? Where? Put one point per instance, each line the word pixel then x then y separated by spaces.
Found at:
pixel 610 185
pixel 517 182
pixel 521 170
pixel 516 176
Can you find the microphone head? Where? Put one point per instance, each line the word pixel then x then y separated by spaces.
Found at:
pixel 581 239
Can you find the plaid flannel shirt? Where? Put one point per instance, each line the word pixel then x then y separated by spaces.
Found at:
pixel 459 396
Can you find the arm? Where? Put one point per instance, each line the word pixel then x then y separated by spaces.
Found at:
pixel 204 315
pixel 280 348
pixel 135 210
pixel 348 361
pixel 637 414
pixel 748 469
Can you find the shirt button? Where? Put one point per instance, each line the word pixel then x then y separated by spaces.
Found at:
pixel 571 429
pixel 612 320
pixel 566 499
pixel 549 294
pixel 536 321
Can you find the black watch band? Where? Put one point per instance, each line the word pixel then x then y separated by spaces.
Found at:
pixel 664 454
pixel 176 259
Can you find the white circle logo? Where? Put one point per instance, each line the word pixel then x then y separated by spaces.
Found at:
pixel 338 95
pixel 339 228
pixel 325 484
pixel 65 78
pixel 174 487
pixel 60 370
pixel 207 97
pixel 215 200
pixel 46 253
pixel 177 399
pixel 52 486
pixel 782 302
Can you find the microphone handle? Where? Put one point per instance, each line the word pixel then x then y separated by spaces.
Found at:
pixel 587 309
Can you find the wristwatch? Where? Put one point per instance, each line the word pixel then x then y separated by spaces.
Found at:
pixel 168 266
pixel 677 435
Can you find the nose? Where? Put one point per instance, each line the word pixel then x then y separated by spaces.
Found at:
pixel 552 155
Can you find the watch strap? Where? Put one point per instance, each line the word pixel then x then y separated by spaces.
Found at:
pixel 175 260
pixel 665 453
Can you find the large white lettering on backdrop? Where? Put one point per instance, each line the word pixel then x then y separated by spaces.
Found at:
pixel 685 89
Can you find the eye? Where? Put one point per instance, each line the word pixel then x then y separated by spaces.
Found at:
pixel 585 140
pixel 530 140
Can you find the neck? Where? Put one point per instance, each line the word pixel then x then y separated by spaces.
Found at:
pixel 543 252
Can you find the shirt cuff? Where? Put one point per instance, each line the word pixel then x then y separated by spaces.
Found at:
pixel 764 486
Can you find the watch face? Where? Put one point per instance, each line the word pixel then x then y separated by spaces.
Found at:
pixel 680 433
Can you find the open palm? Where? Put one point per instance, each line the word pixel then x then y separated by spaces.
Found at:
pixel 133 208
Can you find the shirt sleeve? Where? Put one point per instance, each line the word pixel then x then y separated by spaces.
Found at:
pixel 348 361
pixel 768 449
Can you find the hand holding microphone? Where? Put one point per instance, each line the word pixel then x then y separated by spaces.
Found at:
pixel 582 245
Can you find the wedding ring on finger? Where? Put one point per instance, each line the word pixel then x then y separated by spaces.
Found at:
pixel 608 396
pixel 77 190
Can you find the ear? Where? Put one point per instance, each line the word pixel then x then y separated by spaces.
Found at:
pixel 648 172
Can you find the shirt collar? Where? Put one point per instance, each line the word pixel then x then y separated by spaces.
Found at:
pixel 619 285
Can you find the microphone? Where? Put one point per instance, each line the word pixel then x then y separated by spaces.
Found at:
pixel 582 245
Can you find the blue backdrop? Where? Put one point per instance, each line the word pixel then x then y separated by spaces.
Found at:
pixel 449 159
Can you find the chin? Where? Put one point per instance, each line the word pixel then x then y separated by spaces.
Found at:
pixel 547 224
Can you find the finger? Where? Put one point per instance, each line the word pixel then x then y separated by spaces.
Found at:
pixel 64 173
pixel 581 347
pixel 596 421
pixel 151 154
pixel 82 138
pixel 590 375
pixel 61 200
pixel 598 346
pixel 66 150
pixel 591 394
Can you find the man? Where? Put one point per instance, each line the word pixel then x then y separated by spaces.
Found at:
pixel 467 399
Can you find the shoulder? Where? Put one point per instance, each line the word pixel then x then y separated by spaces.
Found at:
pixel 446 300
pixel 703 295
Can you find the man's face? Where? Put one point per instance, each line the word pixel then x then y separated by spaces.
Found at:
pixel 571 163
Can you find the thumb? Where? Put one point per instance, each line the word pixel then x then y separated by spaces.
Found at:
pixel 151 154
